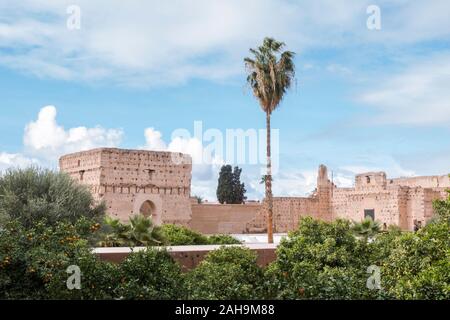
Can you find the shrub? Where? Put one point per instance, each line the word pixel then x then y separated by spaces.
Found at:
pixel 442 208
pixel 366 229
pixel 418 265
pixel 229 273
pixel 174 235
pixel 320 261
pixel 33 264
pixel 151 274
pixel 222 239
pixel 139 232
pixel 99 280
pixel 34 260
pixel 383 244
pixel 34 194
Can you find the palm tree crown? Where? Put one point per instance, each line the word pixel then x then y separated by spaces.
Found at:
pixel 271 73
pixel 366 228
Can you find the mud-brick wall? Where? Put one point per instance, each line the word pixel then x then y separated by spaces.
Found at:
pixel 350 204
pixel 287 212
pixel 222 218
pixel 130 180
pixel 419 206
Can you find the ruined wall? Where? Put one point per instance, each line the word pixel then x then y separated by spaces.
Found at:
pixel 371 181
pixel 419 206
pixel 155 184
pixel 227 218
pixel 158 184
pixel 350 204
pixel 397 202
pixel 441 182
pixel 287 212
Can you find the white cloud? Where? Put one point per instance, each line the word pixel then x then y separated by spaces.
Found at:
pixel 15 160
pixel 45 138
pixel 373 163
pixel 417 96
pixel 153 42
pixel 295 183
pixel 153 140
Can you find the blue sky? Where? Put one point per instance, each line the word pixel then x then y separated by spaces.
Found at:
pixel 364 100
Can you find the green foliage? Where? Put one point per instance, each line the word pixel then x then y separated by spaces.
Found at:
pixel 221 239
pixel 367 228
pixel 199 199
pixel 33 261
pixel 238 187
pixel 175 235
pixel 230 190
pixel 33 264
pixel 114 233
pixel 271 72
pixel 225 185
pixel 229 273
pixel 265 178
pixel 383 245
pixel 151 275
pixel 442 208
pixel 418 264
pixel 34 194
pixel 99 280
pixel 139 232
pixel 320 261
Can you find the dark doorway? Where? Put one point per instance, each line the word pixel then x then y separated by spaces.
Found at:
pixel 369 213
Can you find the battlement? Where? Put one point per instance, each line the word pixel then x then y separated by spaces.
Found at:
pixel 121 167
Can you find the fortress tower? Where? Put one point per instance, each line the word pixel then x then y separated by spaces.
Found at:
pixel 155 184
pixel 324 194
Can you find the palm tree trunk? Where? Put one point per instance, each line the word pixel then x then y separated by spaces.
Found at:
pixel 269 200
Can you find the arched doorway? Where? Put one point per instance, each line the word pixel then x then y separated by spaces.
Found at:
pixel 148 209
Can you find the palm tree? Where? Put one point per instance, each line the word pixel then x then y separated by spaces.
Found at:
pixel 139 232
pixel 271 72
pixel 366 228
pixel 143 232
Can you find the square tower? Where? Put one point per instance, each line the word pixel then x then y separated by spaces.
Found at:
pixel 156 184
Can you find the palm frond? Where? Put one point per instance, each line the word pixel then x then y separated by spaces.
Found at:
pixel 271 73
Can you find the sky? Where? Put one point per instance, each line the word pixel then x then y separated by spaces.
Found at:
pixel 131 74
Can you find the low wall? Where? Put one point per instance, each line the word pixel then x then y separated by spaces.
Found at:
pixel 189 256
pixel 222 218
